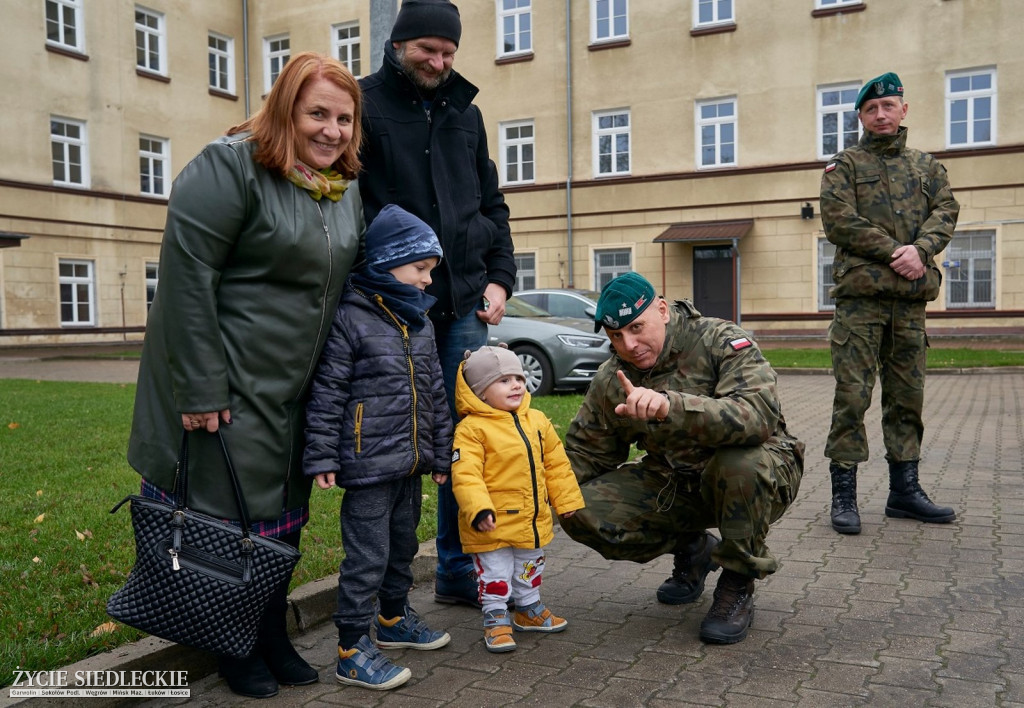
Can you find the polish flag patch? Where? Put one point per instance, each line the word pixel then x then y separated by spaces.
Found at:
pixel 829 167
pixel 741 343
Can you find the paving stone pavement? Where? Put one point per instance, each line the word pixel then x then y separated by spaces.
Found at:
pixel 904 614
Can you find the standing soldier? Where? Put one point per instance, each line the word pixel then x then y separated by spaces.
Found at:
pixel 889 210
pixel 696 395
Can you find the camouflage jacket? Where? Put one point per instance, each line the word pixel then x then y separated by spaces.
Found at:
pixel 720 388
pixel 876 197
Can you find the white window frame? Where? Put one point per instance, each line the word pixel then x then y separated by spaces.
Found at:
pixel 612 270
pixel 221 59
pixel 961 264
pixel 613 133
pixel 511 17
pixel 69 148
pixel 971 97
pixel 151 40
pixel 716 124
pixel 840 111
pixel 526 267
pixel 152 275
pixel 829 4
pixel 604 13
pixel 76 290
pixel 826 257
pixel 154 165
pixel 720 15
pixel 274 58
pixel 523 151
pixel 348 48
pixel 68 21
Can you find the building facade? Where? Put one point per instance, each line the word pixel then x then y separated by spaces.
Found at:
pixel 684 139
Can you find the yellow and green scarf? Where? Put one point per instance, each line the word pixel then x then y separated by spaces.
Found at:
pixel 319 183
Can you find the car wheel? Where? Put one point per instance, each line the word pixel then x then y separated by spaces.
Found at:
pixel 537 366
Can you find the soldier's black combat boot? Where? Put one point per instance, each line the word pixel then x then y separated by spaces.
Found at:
pixel 691 566
pixel 908 501
pixel 732 611
pixel 845 517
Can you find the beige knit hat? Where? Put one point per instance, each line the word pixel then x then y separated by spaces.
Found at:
pixel 488 364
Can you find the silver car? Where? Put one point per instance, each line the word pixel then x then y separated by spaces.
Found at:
pixel 557 352
pixel 563 302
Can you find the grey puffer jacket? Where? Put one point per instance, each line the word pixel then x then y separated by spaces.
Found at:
pixel 251 270
pixel 377 410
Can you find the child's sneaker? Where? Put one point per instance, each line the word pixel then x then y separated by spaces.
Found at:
pixel 364 665
pixel 498 632
pixel 409 632
pixel 537 618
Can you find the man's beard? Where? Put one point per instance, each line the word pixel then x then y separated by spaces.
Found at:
pixel 411 70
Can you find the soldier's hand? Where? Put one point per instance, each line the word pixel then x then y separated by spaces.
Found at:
pixel 641 403
pixel 906 261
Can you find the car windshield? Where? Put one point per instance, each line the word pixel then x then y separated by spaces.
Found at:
pixel 514 307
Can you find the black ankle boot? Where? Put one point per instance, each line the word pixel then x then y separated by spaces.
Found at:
pixel 691 566
pixel 248 676
pixel 732 611
pixel 277 651
pixel 908 501
pixel 845 516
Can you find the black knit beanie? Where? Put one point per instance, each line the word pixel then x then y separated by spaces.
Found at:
pixel 427 18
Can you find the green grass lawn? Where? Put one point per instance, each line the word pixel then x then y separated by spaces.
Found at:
pixel 62 467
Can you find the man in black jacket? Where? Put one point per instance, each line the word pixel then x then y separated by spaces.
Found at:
pixel 425 149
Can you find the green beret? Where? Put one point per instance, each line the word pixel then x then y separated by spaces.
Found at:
pixel 622 300
pixel 888 84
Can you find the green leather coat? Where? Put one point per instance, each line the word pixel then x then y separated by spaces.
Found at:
pixel 251 270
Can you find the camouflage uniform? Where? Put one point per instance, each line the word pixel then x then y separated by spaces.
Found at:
pixel 876 197
pixel 721 459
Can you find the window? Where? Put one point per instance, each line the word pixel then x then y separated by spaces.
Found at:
pixel 345 40
pixel 515 29
pixel 276 53
pixel 69 150
pixel 609 264
pixel 516 140
pixel 609 20
pixel 716 133
pixel 154 167
pixel 150 41
pixel 829 4
pixel 76 292
pixel 969 267
pixel 971 108
pixel 222 63
pixel 826 256
pixel 64 24
pixel 712 12
pixel 526 271
pixel 152 269
pixel 611 143
pixel 838 125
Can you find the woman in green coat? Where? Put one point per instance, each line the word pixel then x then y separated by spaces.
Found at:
pixel 262 229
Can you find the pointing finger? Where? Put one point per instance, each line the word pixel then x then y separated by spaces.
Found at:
pixel 627 387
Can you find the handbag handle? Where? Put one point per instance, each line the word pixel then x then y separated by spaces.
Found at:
pixel 181 481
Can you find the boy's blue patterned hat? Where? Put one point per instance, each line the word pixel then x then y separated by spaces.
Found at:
pixel 396 237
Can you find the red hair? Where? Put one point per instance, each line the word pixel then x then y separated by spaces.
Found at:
pixel 273 128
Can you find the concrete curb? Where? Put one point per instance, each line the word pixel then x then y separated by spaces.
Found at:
pixel 310 605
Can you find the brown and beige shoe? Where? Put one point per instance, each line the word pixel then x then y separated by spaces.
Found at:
pixel 537 618
pixel 498 632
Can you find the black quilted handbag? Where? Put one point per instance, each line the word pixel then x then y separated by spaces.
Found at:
pixel 199 580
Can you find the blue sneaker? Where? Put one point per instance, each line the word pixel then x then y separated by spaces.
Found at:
pixel 408 632
pixel 368 668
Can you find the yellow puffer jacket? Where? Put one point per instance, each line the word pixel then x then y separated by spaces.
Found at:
pixel 513 464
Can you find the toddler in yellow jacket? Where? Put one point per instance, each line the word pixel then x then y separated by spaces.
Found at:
pixel 508 469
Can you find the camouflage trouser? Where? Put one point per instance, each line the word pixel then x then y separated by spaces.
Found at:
pixel 884 337
pixel 638 512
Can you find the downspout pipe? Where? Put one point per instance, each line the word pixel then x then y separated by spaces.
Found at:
pixel 736 275
pixel 568 141
pixel 245 54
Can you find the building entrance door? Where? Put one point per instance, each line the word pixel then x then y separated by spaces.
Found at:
pixel 713 287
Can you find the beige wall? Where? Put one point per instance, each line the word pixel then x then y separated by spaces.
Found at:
pixel 772 63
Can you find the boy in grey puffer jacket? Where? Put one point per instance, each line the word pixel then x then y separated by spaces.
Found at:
pixel 377 420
